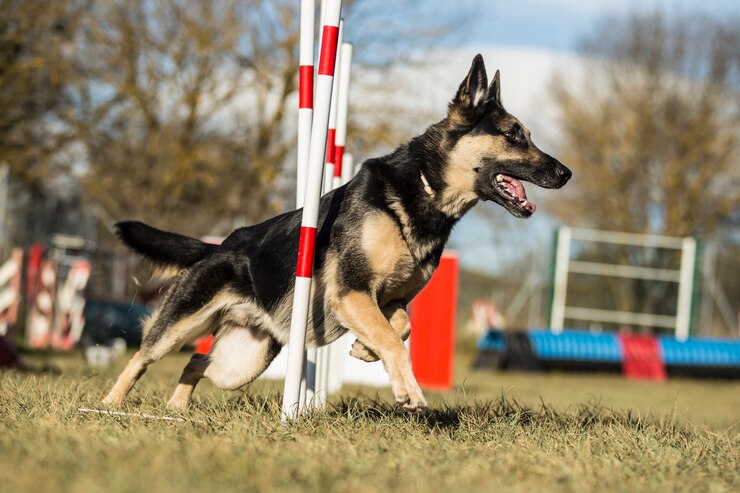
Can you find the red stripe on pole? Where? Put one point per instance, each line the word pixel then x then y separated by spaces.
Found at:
pixel 305 252
pixel 305 86
pixel 328 50
pixel 338 155
pixel 330 140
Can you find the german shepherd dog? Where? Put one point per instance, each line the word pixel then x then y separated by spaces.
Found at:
pixel 379 239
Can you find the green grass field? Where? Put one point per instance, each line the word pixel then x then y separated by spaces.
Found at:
pixel 494 432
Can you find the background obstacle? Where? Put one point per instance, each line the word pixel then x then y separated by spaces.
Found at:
pixel 10 289
pixel 636 356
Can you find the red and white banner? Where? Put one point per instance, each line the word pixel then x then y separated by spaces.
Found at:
pixel 10 289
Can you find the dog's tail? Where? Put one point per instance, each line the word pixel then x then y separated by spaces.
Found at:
pixel 169 252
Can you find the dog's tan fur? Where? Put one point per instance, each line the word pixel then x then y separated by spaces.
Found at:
pixel 360 312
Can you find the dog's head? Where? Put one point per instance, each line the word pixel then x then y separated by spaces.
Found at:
pixel 492 151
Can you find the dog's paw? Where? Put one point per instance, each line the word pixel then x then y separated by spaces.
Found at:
pixel 416 404
pixel 361 352
pixel 416 400
pixel 177 404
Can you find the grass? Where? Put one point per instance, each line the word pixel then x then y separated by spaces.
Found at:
pixel 495 431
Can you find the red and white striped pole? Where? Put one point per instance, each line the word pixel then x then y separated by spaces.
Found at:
pixel 331 134
pixel 340 177
pixel 328 374
pixel 309 221
pixel 305 117
pixel 323 353
pixel 305 96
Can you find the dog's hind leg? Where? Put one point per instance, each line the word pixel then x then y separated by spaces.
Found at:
pixel 238 356
pixel 164 336
pixel 186 313
pixel 126 380
pixel 191 375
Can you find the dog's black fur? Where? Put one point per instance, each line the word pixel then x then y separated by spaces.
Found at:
pixel 379 239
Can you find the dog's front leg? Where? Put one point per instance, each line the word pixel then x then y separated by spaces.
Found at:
pixel 359 312
pixel 396 314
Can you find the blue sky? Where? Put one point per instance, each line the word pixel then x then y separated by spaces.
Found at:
pixel 558 24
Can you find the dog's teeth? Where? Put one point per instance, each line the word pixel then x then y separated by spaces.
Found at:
pixel 499 178
pixel 524 203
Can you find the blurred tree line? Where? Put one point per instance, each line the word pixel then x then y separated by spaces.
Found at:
pixel 180 112
pixel 651 130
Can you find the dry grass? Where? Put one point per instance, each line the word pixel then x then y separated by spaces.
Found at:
pixel 473 439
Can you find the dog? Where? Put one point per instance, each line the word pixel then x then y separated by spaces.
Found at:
pixel 379 239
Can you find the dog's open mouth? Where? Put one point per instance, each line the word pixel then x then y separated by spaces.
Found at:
pixel 513 190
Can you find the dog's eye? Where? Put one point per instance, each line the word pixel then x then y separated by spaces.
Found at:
pixel 515 137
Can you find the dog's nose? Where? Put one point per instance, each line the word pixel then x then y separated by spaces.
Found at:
pixel 564 173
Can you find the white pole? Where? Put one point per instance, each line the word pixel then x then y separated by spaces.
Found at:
pixel 305 116
pixel 348 166
pixel 562 257
pixel 340 176
pixel 685 288
pixel 309 221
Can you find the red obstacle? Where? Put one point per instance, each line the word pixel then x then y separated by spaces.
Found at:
pixel 433 314
pixel 641 357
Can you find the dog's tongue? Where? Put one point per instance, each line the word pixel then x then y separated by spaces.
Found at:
pixel 515 188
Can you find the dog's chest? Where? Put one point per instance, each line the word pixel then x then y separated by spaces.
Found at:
pixel 404 284
pixel 396 273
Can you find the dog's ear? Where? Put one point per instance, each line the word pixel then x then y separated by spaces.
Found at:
pixel 494 90
pixel 472 92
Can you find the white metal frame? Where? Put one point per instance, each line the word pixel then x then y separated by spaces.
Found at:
pixel 564 266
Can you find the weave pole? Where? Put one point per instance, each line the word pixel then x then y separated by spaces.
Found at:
pixel 323 357
pixel 340 177
pixel 305 96
pixel 348 167
pixel 309 220
pixel 331 133
pixel 328 364
pixel 305 117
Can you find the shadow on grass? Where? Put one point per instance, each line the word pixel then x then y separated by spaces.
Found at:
pixel 503 411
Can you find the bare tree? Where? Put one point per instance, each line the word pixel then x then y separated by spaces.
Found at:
pixel 183 109
pixel 180 108
pixel 650 130
pixel 33 37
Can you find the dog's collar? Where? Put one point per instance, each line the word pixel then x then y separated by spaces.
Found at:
pixel 427 188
